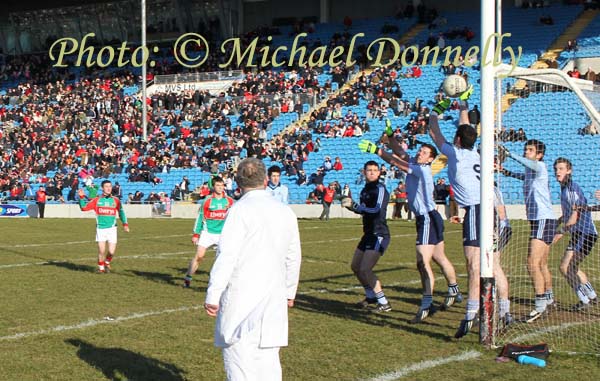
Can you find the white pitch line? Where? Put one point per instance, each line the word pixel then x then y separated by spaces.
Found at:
pixel 351 288
pixel 90 258
pixel 424 365
pixel 81 242
pixel 358 238
pixel 551 329
pixel 95 322
pixel 180 235
pixel 122 239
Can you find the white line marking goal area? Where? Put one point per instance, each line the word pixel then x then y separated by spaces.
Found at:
pixel 424 365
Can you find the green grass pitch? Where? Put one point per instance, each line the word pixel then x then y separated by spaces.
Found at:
pixel 54 325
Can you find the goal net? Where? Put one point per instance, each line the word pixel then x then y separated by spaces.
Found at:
pixel 554 109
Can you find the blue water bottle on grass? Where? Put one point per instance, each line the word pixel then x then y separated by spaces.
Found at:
pixel 524 359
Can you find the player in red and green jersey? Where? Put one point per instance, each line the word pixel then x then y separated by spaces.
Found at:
pixel 106 207
pixel 208 226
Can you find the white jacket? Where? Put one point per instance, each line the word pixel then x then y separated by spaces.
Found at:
pixel 256 271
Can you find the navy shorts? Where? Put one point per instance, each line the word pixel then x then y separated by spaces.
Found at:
pixel 582 243
pixel 544 230
pixel 471 226
pixel 374 242
pixel 430 228
pixel 503 238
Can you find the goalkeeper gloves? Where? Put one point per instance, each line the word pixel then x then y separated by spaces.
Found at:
pixel 466 94
pixel 366 146
pixel 441 106
pixel 388 128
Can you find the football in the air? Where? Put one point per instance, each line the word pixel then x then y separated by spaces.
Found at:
pixel 346 202
pixel 454 85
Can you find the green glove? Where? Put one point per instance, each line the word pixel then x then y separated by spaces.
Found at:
pixel 366 146
pixel 388 128
pixel 466 94
pixel 442 106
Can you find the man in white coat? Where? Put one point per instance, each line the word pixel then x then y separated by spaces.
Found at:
pixel 254 279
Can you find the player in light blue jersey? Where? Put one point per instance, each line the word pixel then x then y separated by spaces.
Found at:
pixel 274 186
pixel 541 219
pixel 463 172
pixel 578 222
pixel 430 226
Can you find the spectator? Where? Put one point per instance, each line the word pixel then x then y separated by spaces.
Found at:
pixel 346 192
pixel 399 197
pixel 176 194
pixel 40 199
pixel 184 185
pixel 474 116
pixel 328 198
pixel 338 164
pixel 440 195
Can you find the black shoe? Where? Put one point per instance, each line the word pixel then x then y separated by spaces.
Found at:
pixel 580 307
pixel 423 314
pixel 464 328
pixel 505 321
pixel 366 303
pixel 594 301
pixel 382 308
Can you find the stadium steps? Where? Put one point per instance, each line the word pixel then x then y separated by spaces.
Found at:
pixel 438 164
pixel 404 39
pixel 412 33
pixel 554 51
pixel 572 32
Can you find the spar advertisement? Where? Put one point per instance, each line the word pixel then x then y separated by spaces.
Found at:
pixel 13 210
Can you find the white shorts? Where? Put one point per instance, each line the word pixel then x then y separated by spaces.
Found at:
pixel 208 239
pixel 110 235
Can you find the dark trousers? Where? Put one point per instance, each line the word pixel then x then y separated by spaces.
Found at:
pixel 325 213
pixel 41 207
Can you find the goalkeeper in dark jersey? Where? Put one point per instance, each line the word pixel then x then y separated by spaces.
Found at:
pixel 106 207
pixel 208 226
pixel 376 237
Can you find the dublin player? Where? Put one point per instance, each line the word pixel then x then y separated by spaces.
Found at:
pixel 208 226
pixel 106 207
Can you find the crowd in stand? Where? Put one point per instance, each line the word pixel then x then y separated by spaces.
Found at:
pixel 89 128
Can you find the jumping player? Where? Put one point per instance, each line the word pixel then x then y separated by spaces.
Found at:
pixel 577 221
pixel 106 208
pixel 208 225
pixel 541 219
pixel 463 172
pixel 430 226
pixel 376 237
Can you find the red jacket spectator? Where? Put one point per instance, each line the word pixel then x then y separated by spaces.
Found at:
pixel 329 194
pixel 40 196
pixel 338 164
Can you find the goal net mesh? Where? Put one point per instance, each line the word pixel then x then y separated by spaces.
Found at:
pixel 548 109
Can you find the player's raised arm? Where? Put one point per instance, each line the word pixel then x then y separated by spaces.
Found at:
pixel 393 143
pixel 366 146
pixel 85 206
pixel 434 125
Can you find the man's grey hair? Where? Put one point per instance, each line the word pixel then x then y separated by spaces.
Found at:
pixel 251 173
